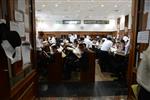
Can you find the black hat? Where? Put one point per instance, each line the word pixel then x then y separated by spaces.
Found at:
pixel 13 38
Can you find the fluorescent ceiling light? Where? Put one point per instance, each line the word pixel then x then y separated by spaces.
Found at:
pixel 71 22
pixel 43 5
pixel 102 5
pixel 116 6
pixel 56 5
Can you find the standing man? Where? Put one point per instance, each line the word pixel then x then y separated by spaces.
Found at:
pixel 143 76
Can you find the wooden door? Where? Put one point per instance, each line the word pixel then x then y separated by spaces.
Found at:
pixel 4 76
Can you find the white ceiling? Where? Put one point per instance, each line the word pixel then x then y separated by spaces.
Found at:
pixel 81 9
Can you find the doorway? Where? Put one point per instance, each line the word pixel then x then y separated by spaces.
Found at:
pixel 63 19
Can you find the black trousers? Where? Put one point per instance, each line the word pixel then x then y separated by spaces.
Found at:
pixel 143 94
pixel 105 61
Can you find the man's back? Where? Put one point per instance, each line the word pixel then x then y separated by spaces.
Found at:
pixel 106 45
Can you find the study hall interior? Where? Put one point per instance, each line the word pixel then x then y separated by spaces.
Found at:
pixel 72 49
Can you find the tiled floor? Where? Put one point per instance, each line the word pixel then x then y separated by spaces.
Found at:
pixel 85 98
pixel 104 88
pixel 99 76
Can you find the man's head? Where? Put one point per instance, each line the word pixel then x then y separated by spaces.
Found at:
pixel 41 35
pixel 54 48
pixel 82 47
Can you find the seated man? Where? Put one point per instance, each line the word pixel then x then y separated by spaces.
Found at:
pixel 54 49
pixel 70 63
pixel 83 60
pixel 40 55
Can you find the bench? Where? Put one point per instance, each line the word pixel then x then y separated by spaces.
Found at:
pixel 55 70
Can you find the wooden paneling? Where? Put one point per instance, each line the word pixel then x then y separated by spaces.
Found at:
pixel 126 20
pixel 118 25
pixel 93 34
pixel 55 69
pixel 89 75
pixel 126 24
pixel 121 33
pixel 133 44
pixel 145 19
pixel 16 68
pixel 4 78
pixel 140 14
pixel 11 10
pixel 138 24
pixel 30 12
pixel 118 21
pixel 33 32
pixel 1 9
pixel 24 87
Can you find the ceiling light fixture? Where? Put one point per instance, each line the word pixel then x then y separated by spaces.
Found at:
pixel 43 5
pixel 116 6
pixel 102 5
pixel 56 5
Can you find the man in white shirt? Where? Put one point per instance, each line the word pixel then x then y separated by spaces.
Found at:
pixel 88 42
pixel 143 76
pixel 75 36
pixel 105 60
pixel 107 44
pixel 39 40
pixel 125 38
pixel 53 40
pixel 127 46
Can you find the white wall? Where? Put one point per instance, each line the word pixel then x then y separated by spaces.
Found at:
pixel 130 22
pixel 122 22
pixel 52 26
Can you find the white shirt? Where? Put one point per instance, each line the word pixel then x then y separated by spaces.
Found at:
pixel 88 43
pixel 77 52
pixel 72 38
pixel 125 38
pixel 39 44
pixel 75 36
pixel 143 73
pixel 127 47
pixel 49 39
pixel 53 40
pixel 60 49
pixel 106 45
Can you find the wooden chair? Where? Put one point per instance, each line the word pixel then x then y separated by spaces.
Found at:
pixel 55 69
pixel 89 75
